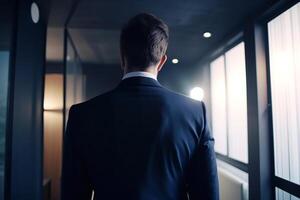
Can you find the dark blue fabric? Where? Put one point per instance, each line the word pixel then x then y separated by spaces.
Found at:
pixel 139 141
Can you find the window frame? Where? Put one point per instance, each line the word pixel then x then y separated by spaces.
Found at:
pixel 279 8
pixel 67 41
pixel 236 40
pixel 236 163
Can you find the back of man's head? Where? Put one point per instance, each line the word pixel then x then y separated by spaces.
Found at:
pixel 144 41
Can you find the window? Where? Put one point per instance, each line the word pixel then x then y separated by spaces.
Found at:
pixel 218 93
pixel 237 103
pixel 229 103
pixel 282 195
pixel 75 80
pixel 4 74
pixel 6 27
pixel 284 57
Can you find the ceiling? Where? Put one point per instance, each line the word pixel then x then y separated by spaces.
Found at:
pixel 95 25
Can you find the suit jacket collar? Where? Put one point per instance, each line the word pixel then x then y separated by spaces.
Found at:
pixel 139 81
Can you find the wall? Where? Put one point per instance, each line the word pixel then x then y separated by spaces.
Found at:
pixel 27 115
pixel 100 78
pixel 53 132
pixel 53 113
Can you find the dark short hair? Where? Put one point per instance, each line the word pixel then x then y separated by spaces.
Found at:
pixel 144 40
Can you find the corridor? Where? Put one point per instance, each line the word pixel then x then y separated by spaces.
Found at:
pixel 241 58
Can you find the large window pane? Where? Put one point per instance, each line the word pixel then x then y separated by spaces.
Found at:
pixel 284 48
pixel 237 103
pixel 282 195
pixel 218 97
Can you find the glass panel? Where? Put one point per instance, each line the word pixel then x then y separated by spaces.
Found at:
pixel 282 195
pixel 284 48
pixel 75 80
pixel 218 98
pixel 237 103
pixel 6 14
pixel 4 66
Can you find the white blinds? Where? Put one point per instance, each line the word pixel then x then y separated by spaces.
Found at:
pixel 229 103
pixel 284 48
pixel 283 195
pixel 237 103
pixel 218 98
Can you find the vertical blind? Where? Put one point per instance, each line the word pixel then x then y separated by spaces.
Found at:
pixel 237 103
pixel 284 53
pixel 218 98
pixel 283 195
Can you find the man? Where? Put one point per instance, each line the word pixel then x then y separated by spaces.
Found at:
pixel 139 141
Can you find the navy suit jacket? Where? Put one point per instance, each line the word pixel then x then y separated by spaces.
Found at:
pixel 139 141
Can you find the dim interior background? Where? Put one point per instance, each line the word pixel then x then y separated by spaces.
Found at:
pixel 242 58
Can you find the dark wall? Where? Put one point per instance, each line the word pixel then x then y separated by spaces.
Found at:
pixel 180 78
pixel 183 77
pixel 202 79
pixel 100 78
pixel 174 76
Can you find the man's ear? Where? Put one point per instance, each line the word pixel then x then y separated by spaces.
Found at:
pixel 162 62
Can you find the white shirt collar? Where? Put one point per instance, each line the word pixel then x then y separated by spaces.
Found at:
pixel 139 74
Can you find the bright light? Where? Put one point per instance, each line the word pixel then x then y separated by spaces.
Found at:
pixel 207 34
pixel 197 93
pixel 175 61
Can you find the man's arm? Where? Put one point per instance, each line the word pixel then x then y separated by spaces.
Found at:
pixel 75 183
pixel 202 175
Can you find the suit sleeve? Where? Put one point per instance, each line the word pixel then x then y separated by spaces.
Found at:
pixel 75 183
pixel 202 175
